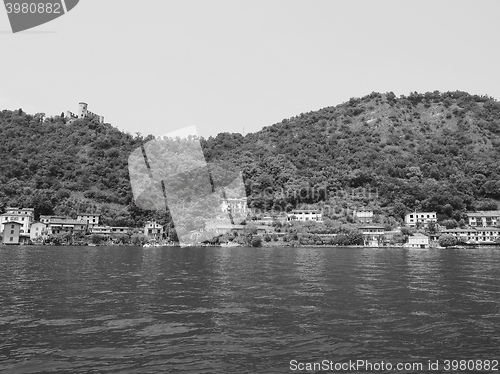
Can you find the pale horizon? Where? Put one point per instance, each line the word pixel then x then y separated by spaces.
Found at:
pixel 158 66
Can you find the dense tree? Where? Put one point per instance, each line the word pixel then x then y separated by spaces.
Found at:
pixel 447 240
pixel 433 151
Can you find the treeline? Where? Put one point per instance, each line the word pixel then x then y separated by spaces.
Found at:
pixel 432 152
pixel 65 168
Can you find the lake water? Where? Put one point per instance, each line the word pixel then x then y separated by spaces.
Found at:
pixel 243 310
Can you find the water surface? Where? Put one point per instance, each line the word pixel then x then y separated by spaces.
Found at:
pixel 242 310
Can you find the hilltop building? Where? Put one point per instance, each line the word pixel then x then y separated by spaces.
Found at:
pixel 423 218
pixel 83 112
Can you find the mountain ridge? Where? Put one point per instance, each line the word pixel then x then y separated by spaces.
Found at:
pixel 432 151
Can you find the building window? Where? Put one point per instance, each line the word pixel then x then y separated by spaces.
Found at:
pixel 11 239
pixel 11 226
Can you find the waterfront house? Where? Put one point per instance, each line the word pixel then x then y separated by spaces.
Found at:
pixel 389 235
pixel 117 230
pixel 153 230
pixel 486 218
pixel 476 235
pixel 22 215
pixel 11 232
pixel 227 228
pixel 418 240
pixel 61 226
pixel 487 235
pixel 91 219
pixel 422 218
pixel 464 235
pixel 372 235
pixel 38 229
pixel 305 215
pixel 102 230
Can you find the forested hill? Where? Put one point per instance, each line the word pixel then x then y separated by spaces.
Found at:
pixel 65 168
pixel 433 151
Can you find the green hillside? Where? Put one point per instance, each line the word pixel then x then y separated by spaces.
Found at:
pixel 432 151
pixel 63 169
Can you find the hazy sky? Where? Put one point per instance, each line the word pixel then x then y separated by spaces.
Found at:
pixel 153 66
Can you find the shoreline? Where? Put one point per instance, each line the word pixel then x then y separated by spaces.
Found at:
pixel 480 246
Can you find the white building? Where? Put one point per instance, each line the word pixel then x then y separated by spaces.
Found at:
pixel 486 218
pixel 37 230
pixel 372 235
pixel 91 219
pixel 103 230
pixel 153 230
pixel 418 240
pixel 479 235
pixel 48 219
pixel 423 218
pixel 235 205
pixel 64 226
pixel 305 215
pixel 119 230
pixel 11 232
pixel 365 216
pixel 24 216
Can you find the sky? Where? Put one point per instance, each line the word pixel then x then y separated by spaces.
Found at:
pixel 155 66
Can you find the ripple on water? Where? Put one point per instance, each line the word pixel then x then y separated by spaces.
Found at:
pixel 241 310
pixel 161 329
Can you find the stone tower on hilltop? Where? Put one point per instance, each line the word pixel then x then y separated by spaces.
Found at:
pixel 83 112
